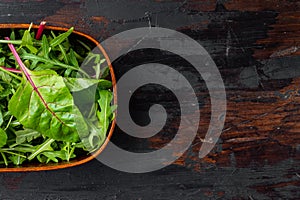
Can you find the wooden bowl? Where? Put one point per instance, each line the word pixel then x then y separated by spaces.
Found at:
pixel 5 29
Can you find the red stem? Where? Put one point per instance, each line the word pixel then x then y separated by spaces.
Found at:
pixel 16 55
pixel 24 69
pixel 26 73
pixel 40 30
pixel 12 70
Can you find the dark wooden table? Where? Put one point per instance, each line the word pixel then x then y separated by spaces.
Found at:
pixel 254 45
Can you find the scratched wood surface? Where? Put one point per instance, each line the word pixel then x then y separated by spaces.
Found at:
pixel 254 44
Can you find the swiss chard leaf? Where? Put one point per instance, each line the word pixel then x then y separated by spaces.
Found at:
pixel 44 103
pixel 78 84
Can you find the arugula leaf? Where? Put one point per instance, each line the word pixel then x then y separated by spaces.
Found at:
pixel 69 148
pixel 59 39
pixel 3 138
pixel 12 35
pixel 26 135
pixel 105 115
pixel 27 41
pixel 62 50
pixel 96 138
pixel 46 146
pixel 5 77
pixel 45 47
pixel 1 118
pixel 4 158
pixel 53 155
pixel 97 61
pixel 53 62
pixel 17 159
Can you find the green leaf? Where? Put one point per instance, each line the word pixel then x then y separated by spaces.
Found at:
pixel 59 39
pixel 97 61
pixel 41 158
pixel 62 50
pixel 53 62
pixel 4 158
pixel 45 47
pixel 32 49
pixel 26 39
pixel 105 114
pixel 73 61
pixel 84 45
pixel 78 84
pixel 17 160
pixel 73 58
pixel 5 77
pixel 3 137
pixel 69 149
pixel 2 61
pixel 24 149
pixel 46 146
pixel 105 72
pixel 12 35
pixel 1 118
pixel 5 90
pixel 42 66
pixel 45 104
pixel 26 135
pixel 53 155
pixel 27 42
pixel 96 138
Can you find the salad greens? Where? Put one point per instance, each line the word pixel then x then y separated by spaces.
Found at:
pixel 39 119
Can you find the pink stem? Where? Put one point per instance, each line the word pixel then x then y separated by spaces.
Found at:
pixel 26 73
pixel 23 68
pixel 12 70
pixel 16 55
pixel 40 30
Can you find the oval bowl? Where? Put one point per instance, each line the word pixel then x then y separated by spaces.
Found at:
pixel 6 28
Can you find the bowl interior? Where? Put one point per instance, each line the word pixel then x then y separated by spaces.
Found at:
pixel 5 30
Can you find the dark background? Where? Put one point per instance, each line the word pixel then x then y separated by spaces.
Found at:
pixel 258 154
